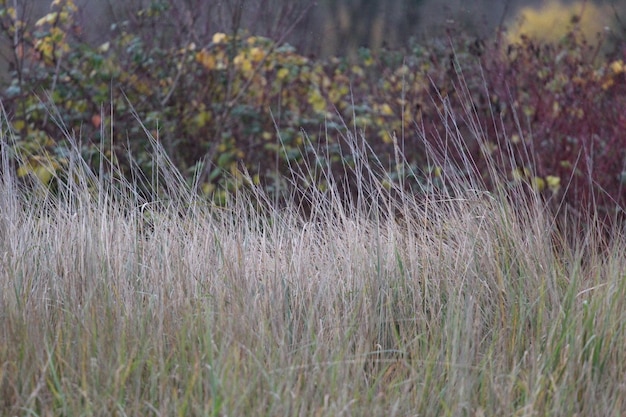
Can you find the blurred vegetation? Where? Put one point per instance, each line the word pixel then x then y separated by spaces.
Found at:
pixel 351 24
pixel 554 21
pixel 236 103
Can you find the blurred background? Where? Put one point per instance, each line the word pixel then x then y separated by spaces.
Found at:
pixel 319 27
pixel 323 28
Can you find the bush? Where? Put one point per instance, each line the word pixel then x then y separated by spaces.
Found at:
pixel 564 105
pixel 238 101
pixel 549 113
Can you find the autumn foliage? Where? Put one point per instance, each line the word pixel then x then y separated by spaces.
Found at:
pixel 550 113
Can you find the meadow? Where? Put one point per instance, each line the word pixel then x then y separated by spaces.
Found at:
pixel 457 300
pixel 226 227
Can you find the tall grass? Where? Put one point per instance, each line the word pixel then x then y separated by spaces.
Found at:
pixel 449 300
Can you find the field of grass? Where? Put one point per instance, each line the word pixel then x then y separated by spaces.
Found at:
pixel 456 302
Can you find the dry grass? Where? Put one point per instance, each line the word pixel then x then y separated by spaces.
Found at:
pixel 472 304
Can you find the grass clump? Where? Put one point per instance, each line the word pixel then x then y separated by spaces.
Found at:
pixel 450 300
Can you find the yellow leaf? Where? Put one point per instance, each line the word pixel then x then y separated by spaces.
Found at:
pixel 282 74
pixel 23 171
pixel 104 47
pixel 403 70
pixel 538 184
pixel 41 167
pixel 242 62
pixel 520 173
pixel 19 125
pixel 208 188
pixel 608 84
pixel 490 147
pixel 617 67
pixel 554 183
pixel 219 38
pixel 206 59
pixel 316 101
pixel 326 83
pixel 357 70
pixel 386 110
pixel 247 66
pixel 49 18
pixel 202 118
pixel 44 173
pixel 44 46
pixel 387 138
pixel 257 54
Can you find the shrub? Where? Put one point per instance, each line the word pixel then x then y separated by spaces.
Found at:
pixel 549 113
pixel 237 101
pixel 565 108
